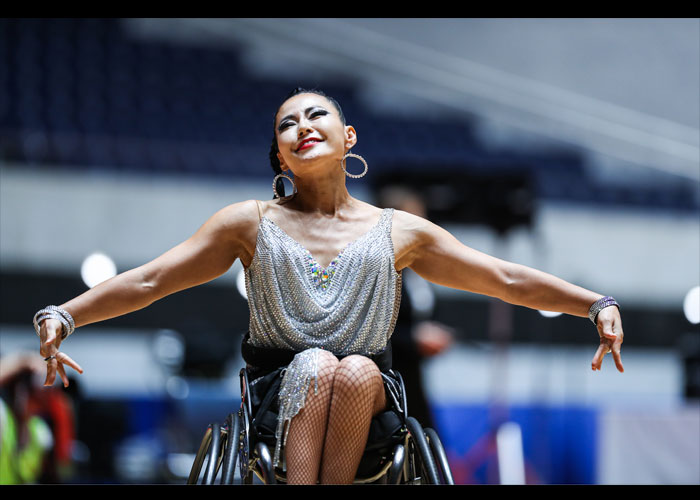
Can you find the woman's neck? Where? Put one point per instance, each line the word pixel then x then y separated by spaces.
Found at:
pixel 323 194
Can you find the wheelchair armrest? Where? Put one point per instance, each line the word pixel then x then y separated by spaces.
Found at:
pixel 404 403
pixel 398 394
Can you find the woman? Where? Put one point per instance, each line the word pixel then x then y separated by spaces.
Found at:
pixel 323 274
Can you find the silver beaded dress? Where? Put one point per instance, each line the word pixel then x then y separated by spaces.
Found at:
pixel 350 307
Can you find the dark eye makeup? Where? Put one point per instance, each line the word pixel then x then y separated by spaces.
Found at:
pixel 287 121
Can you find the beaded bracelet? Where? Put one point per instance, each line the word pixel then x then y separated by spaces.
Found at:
pixel 55 312
pixel 599 305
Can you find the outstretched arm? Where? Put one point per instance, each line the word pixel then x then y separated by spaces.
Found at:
pixel 207 254
pixel 439 257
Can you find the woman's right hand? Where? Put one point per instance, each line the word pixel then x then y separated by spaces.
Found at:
pixel 609 326
pixel 50 335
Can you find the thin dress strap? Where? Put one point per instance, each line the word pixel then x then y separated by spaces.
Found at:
pixel 257 202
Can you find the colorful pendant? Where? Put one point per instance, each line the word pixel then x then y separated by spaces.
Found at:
pixel 322 277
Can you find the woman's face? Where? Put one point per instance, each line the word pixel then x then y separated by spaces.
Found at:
pixel 309 129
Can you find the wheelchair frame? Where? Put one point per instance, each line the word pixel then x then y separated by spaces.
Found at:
pixel 417 458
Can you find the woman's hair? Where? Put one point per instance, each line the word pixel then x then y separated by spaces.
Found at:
pixel 274 148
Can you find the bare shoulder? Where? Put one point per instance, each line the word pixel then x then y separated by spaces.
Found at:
pixel 264 207
pixel 240 216
pixel 409 232
pixel 238 224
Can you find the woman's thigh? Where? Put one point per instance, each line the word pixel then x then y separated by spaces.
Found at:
pixel 358 378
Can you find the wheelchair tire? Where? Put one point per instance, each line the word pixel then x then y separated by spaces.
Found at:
pixel 213 455
pixel 440 456
pixel 199 457
pixel 231 448
pixel 427 467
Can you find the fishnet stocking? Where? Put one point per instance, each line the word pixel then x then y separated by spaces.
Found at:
pixel 307 430
pixel 358 395
pixel 329 434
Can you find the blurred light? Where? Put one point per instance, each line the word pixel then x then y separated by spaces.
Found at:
pixel 136 459
pixel 240 284
pixel 97 268
pixel 79 452
pixel 550 314
pixel 177 387
pixel 180 464
pixel 691 305
pixel 169 349
pixel 511 462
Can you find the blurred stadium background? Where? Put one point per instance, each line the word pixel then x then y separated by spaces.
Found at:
pixel 570 145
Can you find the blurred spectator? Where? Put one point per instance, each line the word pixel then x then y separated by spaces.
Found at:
pixel 416 336
pixel 37 424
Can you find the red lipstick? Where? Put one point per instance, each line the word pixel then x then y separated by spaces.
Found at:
pixel 308 143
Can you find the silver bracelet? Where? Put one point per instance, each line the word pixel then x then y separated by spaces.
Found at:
pixel 599 305
pixel 42 315
pixel 55 312
pixel 66 315
pixel 50 315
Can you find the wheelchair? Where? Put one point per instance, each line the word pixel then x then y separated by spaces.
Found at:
pixel 399 450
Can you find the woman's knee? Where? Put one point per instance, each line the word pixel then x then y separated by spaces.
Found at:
pixel 327 365
pixel 355 372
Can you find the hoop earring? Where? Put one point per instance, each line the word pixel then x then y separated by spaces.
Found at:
pixel 274 184
pixel 359 158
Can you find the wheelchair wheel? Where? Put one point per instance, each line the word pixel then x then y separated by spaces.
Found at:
pixel 220 448
pixel 213 457
pixel 420 464
pixel 231 448
pixel 440 456
pixel 199 457
pixel 209 449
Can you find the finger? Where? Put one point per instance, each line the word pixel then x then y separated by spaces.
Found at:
pixel 620 335
pixel 67 360
pixel 50 372
pixel 598 357
pixel 62 374
pixel 618 360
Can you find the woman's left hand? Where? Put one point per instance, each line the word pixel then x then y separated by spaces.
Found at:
pixel 609 325
pixel 50 335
